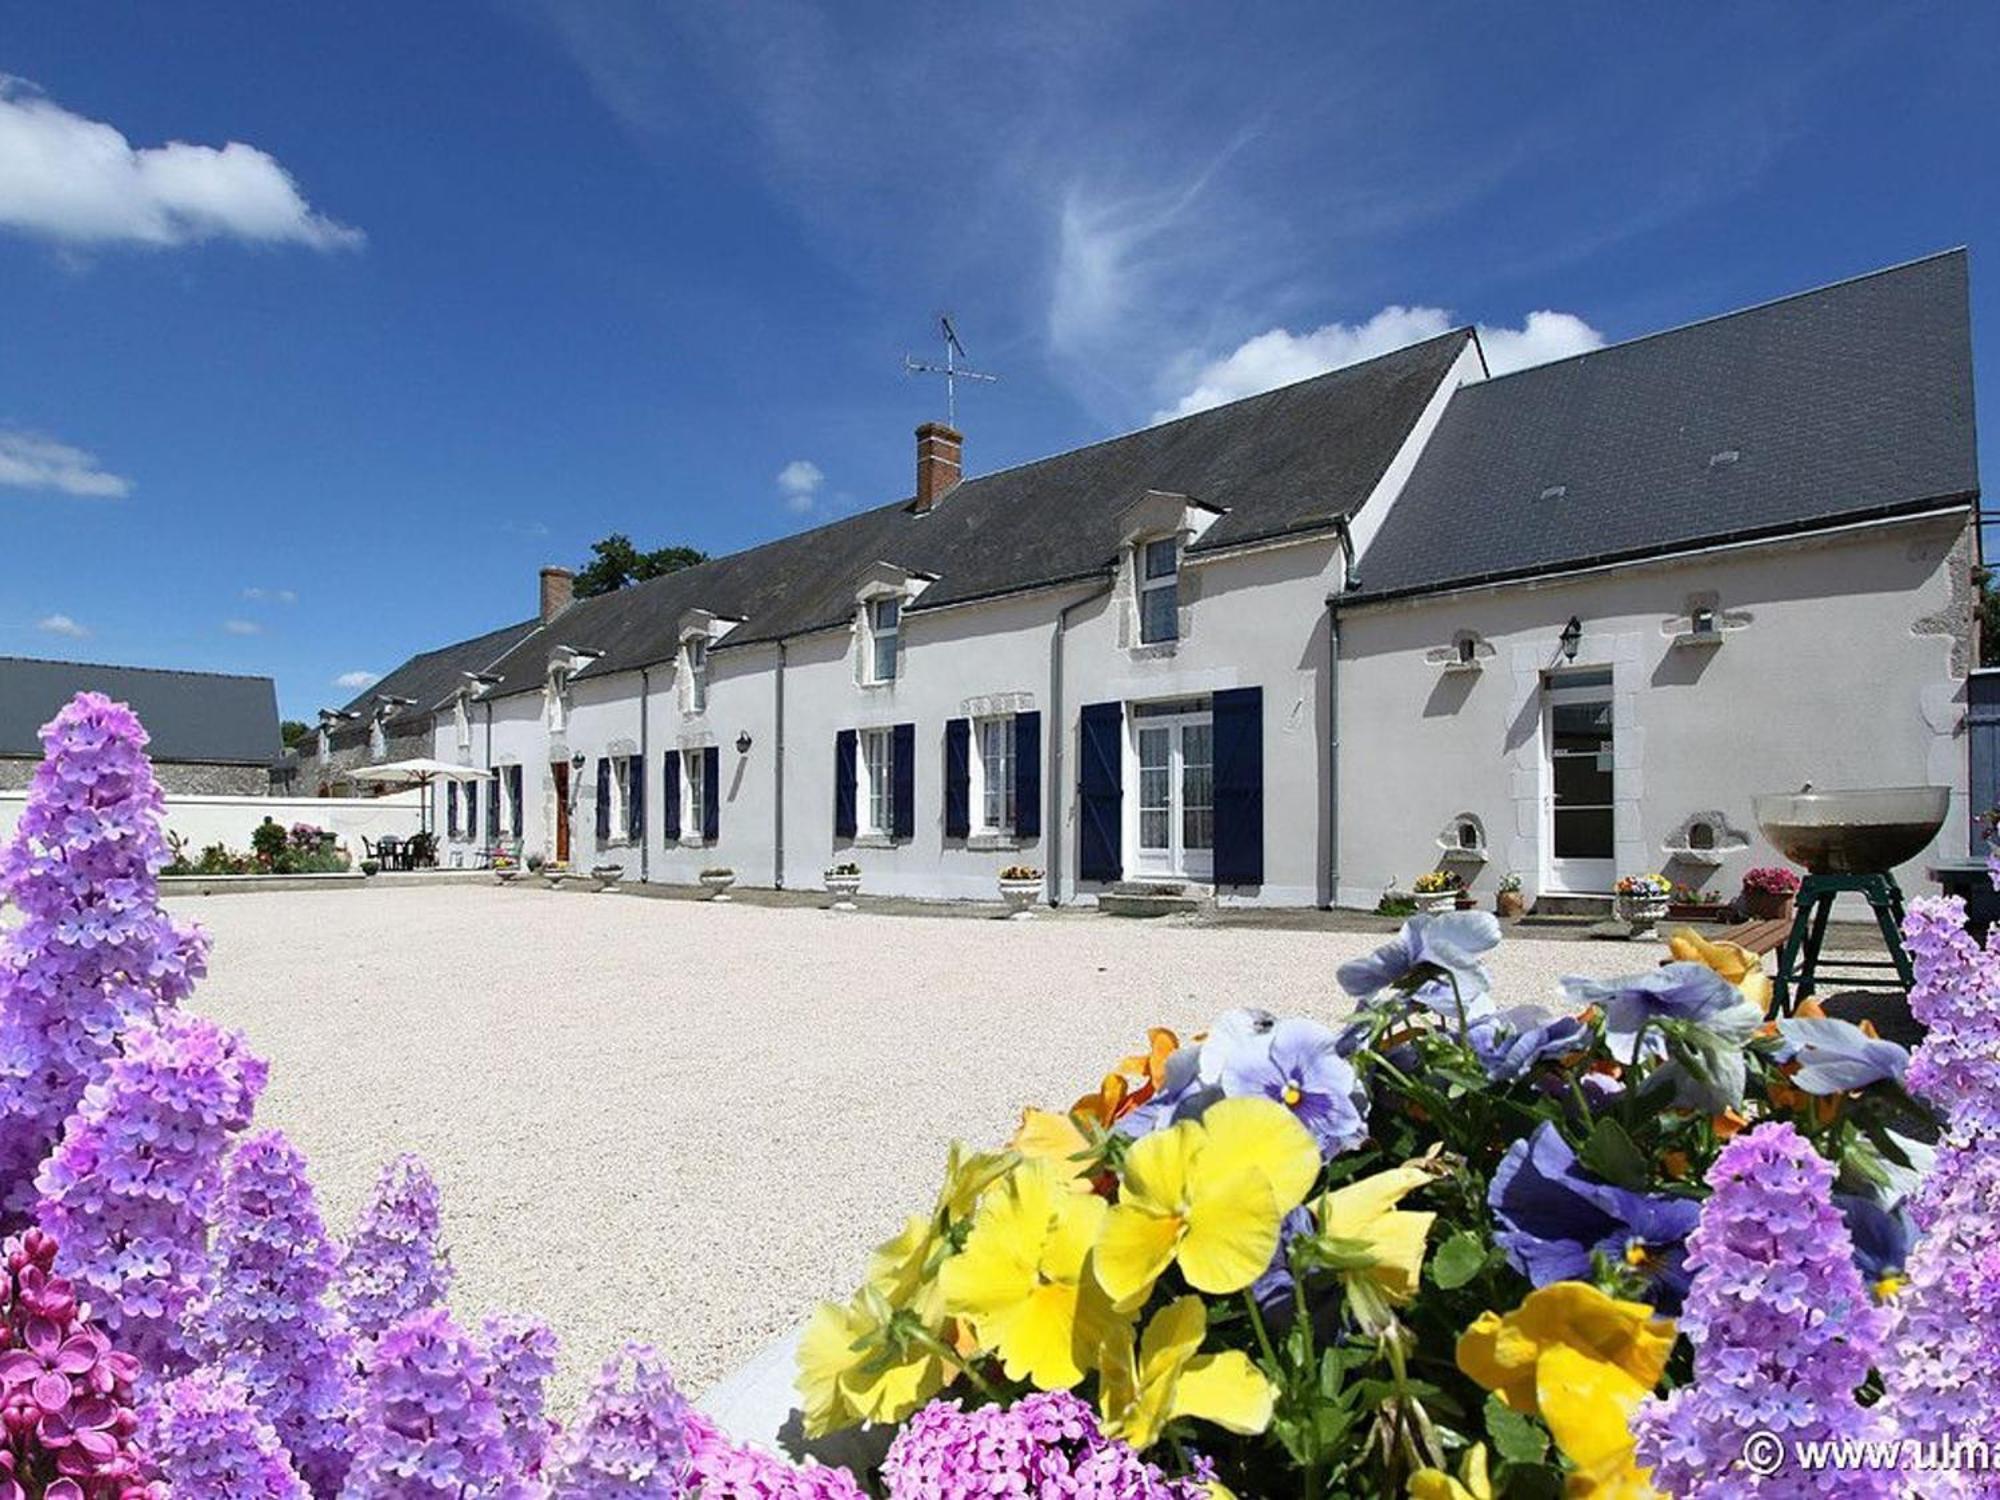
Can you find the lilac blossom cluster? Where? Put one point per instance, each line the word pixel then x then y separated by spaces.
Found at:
pixel 522 1353
pixel 722 1470
pixel 92 952
pixel 1783 1331
pixel 268 1322
pixel 631 1441
pixel 429 1426
pixel 137 1179
pixel 67 1421
pixel 208 1439
pixel 395 1263
pixel 1047 1444
pixel 1957 1065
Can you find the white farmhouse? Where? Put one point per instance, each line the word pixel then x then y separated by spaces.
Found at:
pixel 1563 623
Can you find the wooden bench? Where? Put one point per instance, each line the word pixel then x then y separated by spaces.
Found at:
pixel 1759 937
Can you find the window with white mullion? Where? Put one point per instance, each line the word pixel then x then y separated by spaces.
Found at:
pixel 996 775
pixel 885 626
pixel 1159 590
pixel 878 781
pixel 621 788
pixel 697 666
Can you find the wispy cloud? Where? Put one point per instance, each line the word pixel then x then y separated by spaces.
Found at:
pixel 355 681
pixel 1279 357
pixel 799 484
pixel 81 182
pixel 257 595
pixel 525 528
pixel 242 627
pixel 34 461
pixel 62 625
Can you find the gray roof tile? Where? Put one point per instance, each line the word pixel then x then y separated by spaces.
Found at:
pixel 202 718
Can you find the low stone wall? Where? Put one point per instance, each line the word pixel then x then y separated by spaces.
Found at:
pixel 195 779
pixel 204 820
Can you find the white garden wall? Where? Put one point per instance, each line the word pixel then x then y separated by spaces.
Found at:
pixel 204 820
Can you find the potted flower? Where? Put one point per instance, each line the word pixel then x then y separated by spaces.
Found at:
pixel 1020 888
pixel 1642 902
pixel 1437 890
pixel 717 879
pixel 843 883
pixel 368 867
pixel 1768 893
pixel 1509 902
pixel 554 873
pixel 607 875
pixel 504 867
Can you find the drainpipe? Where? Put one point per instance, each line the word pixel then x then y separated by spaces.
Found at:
pixel 778 778
pixel 1052 829
pixel 645 761
pixel 1350 581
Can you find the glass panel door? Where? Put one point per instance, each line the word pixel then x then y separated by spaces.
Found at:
pixel 1176 796
pixel 1197 798
pixel 1156 800
pixel 1581 832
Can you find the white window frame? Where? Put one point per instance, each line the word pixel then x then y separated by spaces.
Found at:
pixel 461 721
pixel 621 798
pixel 987 789
pixel 878 638
pixel 1168 583
pixel 692 790
pixel 555 707
pixel 875 796
pixel 695 650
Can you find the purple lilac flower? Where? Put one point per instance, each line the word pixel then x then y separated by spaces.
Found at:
pixel 208 1439
pixel 92 952
pixel 1553 1216
pixel 631 1441
pixel 1510 1044
pixel 429 1428
pixel 1957 997
pixel 522 1352
pixel 1047 1444
pixel 1783 1332
pixel 395 1263
pixel 722 1470
pixel 269 1322
pixel 1837 1057
pixel 137 1179
pixel 67 1421
pixel 1298 1064
pixel 1431 946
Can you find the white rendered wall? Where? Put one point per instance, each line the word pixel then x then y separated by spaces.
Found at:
pixel 204 820
pixel 1842 663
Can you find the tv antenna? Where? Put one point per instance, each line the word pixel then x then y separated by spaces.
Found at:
pixel 951 369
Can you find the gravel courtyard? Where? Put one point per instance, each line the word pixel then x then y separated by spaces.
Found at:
pixel 685 1122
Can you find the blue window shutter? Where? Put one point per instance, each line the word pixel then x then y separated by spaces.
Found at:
pixel 1239 787
pixel 493 808
pixel 1028 775
pixel 514 781
pixel 603 797
pixel 957 778
pixel 451 808
pixel 903 774
pixel 1100 797
pixel 711 793
pixel 635 799
pixel 670 797
pixel 843 784
pixel 472 809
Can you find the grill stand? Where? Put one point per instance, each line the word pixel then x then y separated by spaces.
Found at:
pixel 1798 960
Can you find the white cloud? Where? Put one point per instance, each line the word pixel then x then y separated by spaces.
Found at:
pixel 242 627
pixel 62 625
pixel 270 596
pixel 30 461
pixel 79 181
pixel 799 484
pixel 1279 356
pixel 357 680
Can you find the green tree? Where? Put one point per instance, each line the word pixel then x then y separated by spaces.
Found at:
pixel 615 562
pixel 291 731
pixel 1988 584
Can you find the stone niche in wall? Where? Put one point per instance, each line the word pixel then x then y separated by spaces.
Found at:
pixel 1701 845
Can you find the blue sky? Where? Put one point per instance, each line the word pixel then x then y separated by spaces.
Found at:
pixel 428 296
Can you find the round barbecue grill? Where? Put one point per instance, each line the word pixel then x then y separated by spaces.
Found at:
pixel 1848 841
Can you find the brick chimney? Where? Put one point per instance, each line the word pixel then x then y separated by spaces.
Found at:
pixel 938 452
pixel 558 590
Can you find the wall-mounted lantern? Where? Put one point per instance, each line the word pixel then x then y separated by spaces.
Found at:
pixel 743 742
pixel 1571 638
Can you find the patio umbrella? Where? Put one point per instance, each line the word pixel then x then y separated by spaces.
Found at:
pixel 419 773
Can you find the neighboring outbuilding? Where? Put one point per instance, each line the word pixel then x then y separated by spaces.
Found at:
pixel 212 733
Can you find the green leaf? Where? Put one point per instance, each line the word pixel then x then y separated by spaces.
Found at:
pixel 1609 1153
pixel 1459 1259
pixel 1515 1438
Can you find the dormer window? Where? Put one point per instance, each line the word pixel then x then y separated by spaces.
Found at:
pixel 1468 650
pixel 885 625
pixel 1159 590
pixel 697 668
pixel 555 698
pixel 461 722
pixel 1702 622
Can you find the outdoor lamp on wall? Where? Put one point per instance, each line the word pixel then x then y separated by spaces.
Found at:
pixel 1572 637
pixel 576 761
pixel 743 742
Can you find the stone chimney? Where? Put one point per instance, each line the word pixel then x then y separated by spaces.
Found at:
pixel 938 451
pixel 558 590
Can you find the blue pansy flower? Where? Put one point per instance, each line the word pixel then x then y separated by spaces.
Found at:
pixel 1836 1057
pixel 1295 1062
pixel 1882 1239
pixel 1510 1043
pixel 1710 1018
pixel 1443 948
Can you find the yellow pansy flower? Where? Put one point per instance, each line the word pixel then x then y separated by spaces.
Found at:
pixel 1470 1483
pixel 1021 1277
pixel 1581 1361
pixel 849 1371
pixel 1046 1136
pixel 1732 961
pixel 1168 1377
pixel 1207 1193
pixel 1379 1248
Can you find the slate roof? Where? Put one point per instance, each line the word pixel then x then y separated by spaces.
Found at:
pixel 1840 404
pixel 1285 462
pixel 201 718
pixel 429 680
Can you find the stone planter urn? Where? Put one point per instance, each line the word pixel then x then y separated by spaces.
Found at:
pixel 843 888
pixel 1021 894
pixel 553 877
pixel 717 883
pixel 1436 901
pixel 1642 913
pixel 506 874
pixel 607 876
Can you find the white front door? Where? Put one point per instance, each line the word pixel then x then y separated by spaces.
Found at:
pixel 1581 831
pixel 1176 796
